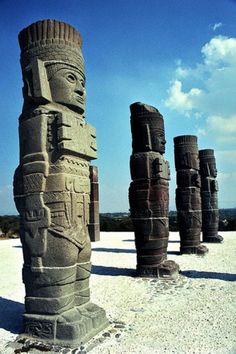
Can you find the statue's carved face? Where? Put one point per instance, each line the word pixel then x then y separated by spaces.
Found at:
pixel 213 170
pixel 159 141
pixel 68 88
pixel 190 160
pixel 209 169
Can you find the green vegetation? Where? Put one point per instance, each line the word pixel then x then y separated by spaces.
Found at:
pixel 227 224
pixel 122 222
pixel 109 223
pixel 9 224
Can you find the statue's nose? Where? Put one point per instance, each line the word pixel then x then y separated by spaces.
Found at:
pixel 80 89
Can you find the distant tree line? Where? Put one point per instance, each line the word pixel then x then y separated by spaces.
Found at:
pixel 9 225
pixel 109 222
pixel 115 224
pixel 228 224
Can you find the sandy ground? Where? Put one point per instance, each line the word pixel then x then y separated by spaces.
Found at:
pixel 195 313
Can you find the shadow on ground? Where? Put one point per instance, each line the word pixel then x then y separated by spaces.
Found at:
pixel 113 271
pixel 123 250
pixel 169 241
pixel 177 253
pixel 11 315
pixel 209 275
pixel 113 250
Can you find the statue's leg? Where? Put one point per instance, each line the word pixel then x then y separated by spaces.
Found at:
pixel 83 270
pixel 57 303
pixel 93 316
pixel 50 292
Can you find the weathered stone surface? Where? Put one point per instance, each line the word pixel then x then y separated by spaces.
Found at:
pixel 149 192
pixel 52 187
pixel 94 223
pixel 188 197
pixel 209 195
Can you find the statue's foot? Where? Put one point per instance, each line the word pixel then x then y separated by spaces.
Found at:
pixel 167 269
pixel 81 323
pixel 199 250
pixel 213 239
pixel 69 329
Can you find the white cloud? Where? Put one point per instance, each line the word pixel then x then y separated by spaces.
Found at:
pixel 216 26
pixel 224 127
pixel 206 93
pixel 226 158
pixel 180 100
pixel 220 50
pixel 201 131
pixel 210 97
pixel 212 80
pixel 182 72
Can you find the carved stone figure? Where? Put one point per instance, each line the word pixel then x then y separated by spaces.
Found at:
pixel 52 187
pixel 149 192
pixel 209 195
pixel 94 223
pixel 188 198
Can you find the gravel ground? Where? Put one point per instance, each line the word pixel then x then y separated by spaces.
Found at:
pixel 192 314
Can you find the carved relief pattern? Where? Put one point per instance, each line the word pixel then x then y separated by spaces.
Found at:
pixel 94 223
pixel 188 198
pixel 209 196
pixel 40 329
pixel 149 190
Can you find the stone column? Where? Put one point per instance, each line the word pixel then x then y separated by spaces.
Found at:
pixel 94 223
pixel 188 198
pixel 52 187
pixel 149 192
pixel 209 195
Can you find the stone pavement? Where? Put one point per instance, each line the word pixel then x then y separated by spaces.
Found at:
pixel 192 314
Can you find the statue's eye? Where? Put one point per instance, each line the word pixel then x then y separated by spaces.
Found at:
pixel 71 78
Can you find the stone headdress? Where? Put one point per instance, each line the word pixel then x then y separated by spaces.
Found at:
pixel 146 124
pixel 46 46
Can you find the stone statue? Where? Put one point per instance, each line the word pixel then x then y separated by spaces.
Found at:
pixel 52 187
pixel 188 198
pixel 209 195
pixel 149 192
pixel 94 223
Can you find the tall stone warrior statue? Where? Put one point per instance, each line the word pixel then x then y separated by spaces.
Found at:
pixel 188 198
pixel 52 187
pixel 209 195
pixel 149 192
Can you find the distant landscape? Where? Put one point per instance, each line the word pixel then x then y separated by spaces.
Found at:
pixel 120 221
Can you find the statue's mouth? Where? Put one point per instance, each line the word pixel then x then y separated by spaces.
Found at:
pixel 79 99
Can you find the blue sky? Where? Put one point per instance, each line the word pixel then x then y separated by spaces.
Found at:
pixel 177 55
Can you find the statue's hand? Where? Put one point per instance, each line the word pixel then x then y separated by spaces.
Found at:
pixel 36 215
